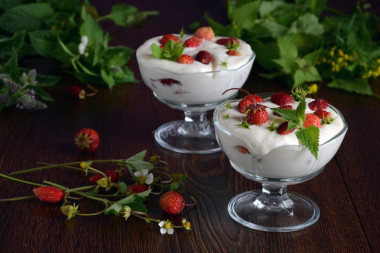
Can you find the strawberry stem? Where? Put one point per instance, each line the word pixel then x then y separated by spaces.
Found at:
pixel 236 89
pixel 18 198
pixel 192 204
pixel 20 181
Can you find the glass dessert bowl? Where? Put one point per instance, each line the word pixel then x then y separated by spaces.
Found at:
pixel 276 166
pixel 194 89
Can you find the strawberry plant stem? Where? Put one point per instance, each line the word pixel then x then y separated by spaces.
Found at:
pixel 20 181
pixel 18 198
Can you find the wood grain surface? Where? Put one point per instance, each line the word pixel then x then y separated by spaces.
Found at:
pixel 347 191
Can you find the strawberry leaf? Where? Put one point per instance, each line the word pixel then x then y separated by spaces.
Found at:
pixel 310 138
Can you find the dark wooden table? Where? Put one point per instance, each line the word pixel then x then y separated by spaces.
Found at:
pixel 125 117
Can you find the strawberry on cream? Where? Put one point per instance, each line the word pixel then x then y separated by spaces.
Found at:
pixel 196 83
pixel 269 155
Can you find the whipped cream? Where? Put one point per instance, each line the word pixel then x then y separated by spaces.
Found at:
pixel 271 155
pixel 218 55
pixel 195 86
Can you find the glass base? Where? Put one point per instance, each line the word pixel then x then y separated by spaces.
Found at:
pixel 254 210
pixel 187 137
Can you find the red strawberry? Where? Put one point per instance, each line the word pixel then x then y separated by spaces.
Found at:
pixel 205 32
pixel 281 98
pixel 168 37
pixel 312 120
pixel 232 52
pixel 283 129
pixel 172 202
pixel 77 92
pixel 242 150
pixel 318 104
pixel 193 42
pixel 325 116
pixel 87 140
pixel 137 188
pixel 203 57
pixel 49 194
pixel 288 107
pixel 247 101
pixel 258 115
pixel 225 41
pixel 110 173
pixel 185 59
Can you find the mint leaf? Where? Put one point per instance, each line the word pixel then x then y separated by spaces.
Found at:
pixel 156 51
pixel 286 114
pixel 310 138
pixel 26 17
pixel 121 14
pixel 16 42
pixel 289 65
pixel 300 110
pixel 44 42
pixel 308 74
pixel 245 15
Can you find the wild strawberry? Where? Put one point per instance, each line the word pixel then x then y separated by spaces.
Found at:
pixel 257 115
pixel 49 194
pixel 288 107
pixel 281 98
pixel 225 41
pixel 168 37
pixel 77 92
pixel 185 59
pixel 172 202
pixel 232 52
pixel 169 81
pixel 87 140
pixel 318 104
pixel 325 116
pixel 247 101
pixel 193 42
pixel 242 150
pixel 205 32
pixel 312 120
pixel 283 129
pixel 109 173
pixel 137 188
pixel 203 57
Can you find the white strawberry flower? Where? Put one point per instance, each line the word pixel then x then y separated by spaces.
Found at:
pixel 83 44
pixel 144 176
pixel 166 227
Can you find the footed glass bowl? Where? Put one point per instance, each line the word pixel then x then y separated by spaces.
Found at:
pixel 195 94
pixel 272 208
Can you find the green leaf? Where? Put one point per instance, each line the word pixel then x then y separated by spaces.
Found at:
pixel 8 4
pixel 107 78
pixel 286 114
pixel 275 29
pixel 310 138
pixel 246 15
pixel 289 65
pixel 266 53
pixel 312 57
pixel 307 23
pixel 267 7
pixel 40 92
pixel 94 32
pixel 47 81
pixel 123 187
pixel 300 110
pixel 357 85
pixel 114 209
pixel 308 74
pixel 287 48
pixel 11 66
pixel 26 17
pixel 122 14
pixel 157 51
pixel 16 42
pixel 44 42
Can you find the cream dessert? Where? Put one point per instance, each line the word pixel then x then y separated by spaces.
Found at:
pixel 259 153
pixel 187 85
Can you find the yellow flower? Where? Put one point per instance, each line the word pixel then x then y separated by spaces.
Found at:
pixel 313 88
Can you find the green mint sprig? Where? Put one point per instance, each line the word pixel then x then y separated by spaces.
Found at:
pixel 306 136
pixel 172 50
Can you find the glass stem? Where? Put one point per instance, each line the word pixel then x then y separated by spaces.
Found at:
pixel 274 197
pixel 196 122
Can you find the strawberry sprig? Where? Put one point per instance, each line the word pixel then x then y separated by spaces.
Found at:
pixel 308 136
pixel 171 51
pixel 122 191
